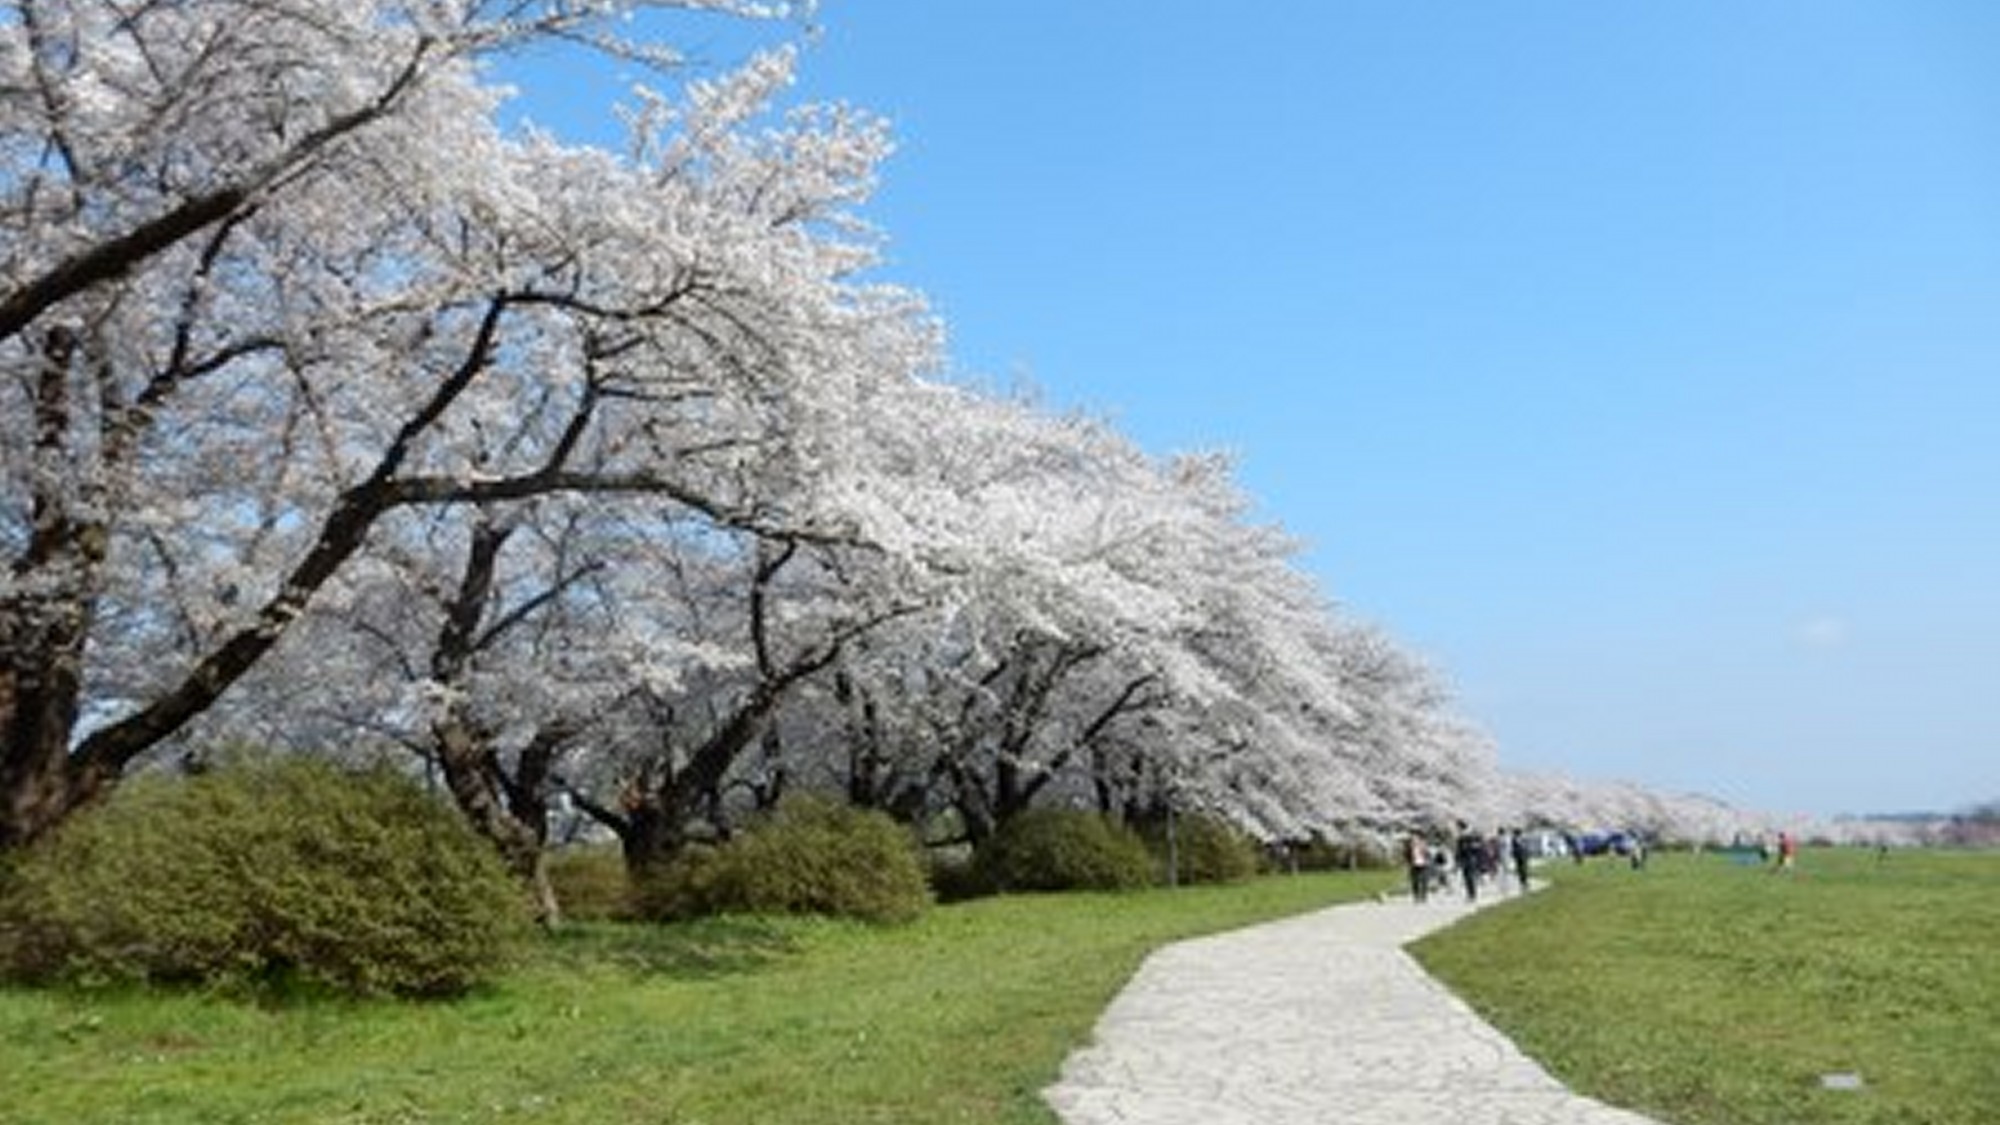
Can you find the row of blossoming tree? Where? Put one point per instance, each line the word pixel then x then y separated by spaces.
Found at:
pixel 335 415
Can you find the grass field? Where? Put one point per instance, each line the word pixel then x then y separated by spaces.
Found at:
pixel 1707 992
pixel 961 1017
pixel 1700 991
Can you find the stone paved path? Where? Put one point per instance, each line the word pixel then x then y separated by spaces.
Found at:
pixel 1315 1020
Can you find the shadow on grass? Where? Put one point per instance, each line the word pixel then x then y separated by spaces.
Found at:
pixel 699 950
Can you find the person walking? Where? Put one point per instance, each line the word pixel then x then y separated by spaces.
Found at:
pixel 1441 849
pixel 1417 855
pixel 1517 848
pixel 1471 857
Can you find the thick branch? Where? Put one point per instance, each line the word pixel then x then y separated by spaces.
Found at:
pixel 412 491
pixel 768 566
pixel 456 637
pixel 340 536
pixel 526 609
pixel 615 821
pixel 118 256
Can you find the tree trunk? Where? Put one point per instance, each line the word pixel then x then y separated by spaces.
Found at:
pixel 44 624
pixel 35 787
pixel 649 837
pixel 40 785
pixel 975 807
pixel 463 755
pixel 512 812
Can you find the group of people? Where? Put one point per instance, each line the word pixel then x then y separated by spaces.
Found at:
pixel 1433 859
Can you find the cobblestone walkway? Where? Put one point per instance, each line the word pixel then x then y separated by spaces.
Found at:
pixel 1315 1020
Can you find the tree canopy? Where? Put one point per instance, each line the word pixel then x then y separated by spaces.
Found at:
pixel 334 414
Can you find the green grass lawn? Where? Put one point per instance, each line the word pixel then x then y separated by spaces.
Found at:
pixel 1706 992
pixel 961 1017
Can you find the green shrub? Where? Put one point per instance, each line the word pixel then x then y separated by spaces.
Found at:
pixel 1206 849
pixel 952 875
pixel 591 883
pixel 810 856
pixel 1061 850
pixel 267 873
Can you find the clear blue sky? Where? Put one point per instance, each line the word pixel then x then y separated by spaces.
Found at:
pixel 1636 363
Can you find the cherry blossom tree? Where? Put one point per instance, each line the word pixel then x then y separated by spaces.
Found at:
pixel 273 276
pixel 769 621
pixel 1038 643
pixel 332 412
pixel 1578 805
pixel 1109 629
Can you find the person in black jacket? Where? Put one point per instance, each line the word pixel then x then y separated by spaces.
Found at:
pixel 1471 857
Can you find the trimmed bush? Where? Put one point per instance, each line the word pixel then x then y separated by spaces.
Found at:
pixel 591 883
pixel 1062 850
pixel 1207 850
pixel 810 856
pixel 263 873
pixel 951 873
